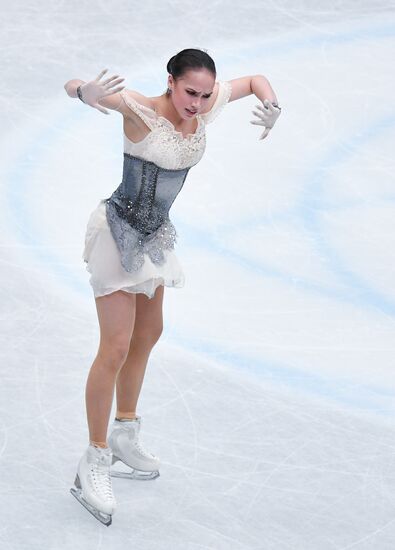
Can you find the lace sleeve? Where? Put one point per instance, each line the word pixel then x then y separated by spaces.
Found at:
pixel 146 114
pixel 224 91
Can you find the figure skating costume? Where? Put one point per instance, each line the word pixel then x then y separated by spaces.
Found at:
pixel 129 246
pixel 129 240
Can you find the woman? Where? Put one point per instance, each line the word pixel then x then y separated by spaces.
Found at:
pixel 129 247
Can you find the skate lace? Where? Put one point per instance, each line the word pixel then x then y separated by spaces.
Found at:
pixel 102 479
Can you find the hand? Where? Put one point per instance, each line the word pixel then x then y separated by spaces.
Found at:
pixel 268 116
pixel 95 90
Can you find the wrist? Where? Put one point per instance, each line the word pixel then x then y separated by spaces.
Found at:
pixel 79 93
pixel 71 87
pixel 273 102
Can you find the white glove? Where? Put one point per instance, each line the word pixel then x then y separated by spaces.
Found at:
pixel 95 90
pixel 268 116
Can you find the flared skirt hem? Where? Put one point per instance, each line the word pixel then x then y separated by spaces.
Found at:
pixel 103 262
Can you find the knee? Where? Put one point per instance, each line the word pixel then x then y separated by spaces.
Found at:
pixel 147 336
pixel 114 351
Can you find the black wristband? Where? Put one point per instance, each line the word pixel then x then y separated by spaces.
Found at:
pixel 79 93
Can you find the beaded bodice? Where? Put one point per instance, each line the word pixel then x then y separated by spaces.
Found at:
pixel 154 172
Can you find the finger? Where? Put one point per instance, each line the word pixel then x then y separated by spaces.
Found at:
pixel 100 108
pixel 101 74
pixel 265 133
pixel 111 92
pixel 109 79
pixel 263 120
pixel 263 107
pixel 258 122
pixel 271 108
pixel 106 82
pixel 265 115
pixel 118 81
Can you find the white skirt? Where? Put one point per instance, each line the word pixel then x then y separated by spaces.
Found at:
pixel 104 263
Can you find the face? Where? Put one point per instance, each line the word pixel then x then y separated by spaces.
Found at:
pixel 191 92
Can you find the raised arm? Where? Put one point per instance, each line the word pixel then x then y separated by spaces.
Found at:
pixel 260 86
pixel 97 93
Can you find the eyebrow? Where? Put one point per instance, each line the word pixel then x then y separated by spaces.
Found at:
pixel 191 89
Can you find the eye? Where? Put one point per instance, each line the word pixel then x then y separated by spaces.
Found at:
pixel 194 93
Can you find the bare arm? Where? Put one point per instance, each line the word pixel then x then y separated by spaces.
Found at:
pixel 257 84
pixel 262 89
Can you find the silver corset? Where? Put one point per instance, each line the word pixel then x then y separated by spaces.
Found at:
pixel 138 211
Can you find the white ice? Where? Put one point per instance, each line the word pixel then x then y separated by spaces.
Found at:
pixel 270 396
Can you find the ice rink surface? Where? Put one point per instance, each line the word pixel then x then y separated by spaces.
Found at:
pixel 270 396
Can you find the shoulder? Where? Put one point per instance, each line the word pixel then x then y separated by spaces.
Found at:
pixel 221 96
pixel 125 101
pixel 212 100
pixel 137 107
pixel 139 98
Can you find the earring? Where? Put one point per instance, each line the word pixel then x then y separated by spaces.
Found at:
pixel 168 91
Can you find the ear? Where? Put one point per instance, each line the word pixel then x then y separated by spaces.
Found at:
pixel 170 81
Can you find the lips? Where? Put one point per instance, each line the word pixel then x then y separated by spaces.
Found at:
pixel 192 112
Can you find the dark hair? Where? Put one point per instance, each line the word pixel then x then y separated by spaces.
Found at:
pixel 190 58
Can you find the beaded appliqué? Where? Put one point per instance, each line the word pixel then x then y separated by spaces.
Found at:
pixel 137 211
pixel 133 245
pixel 175 150
pixel 164 145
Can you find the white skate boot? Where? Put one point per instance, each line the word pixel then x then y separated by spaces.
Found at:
pixel 93 488
pixel 124 442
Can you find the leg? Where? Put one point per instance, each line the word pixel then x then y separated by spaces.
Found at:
pixel 92 485
pixel 147 330
pixel 116 313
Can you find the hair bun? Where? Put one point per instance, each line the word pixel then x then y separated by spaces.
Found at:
pixel 170 64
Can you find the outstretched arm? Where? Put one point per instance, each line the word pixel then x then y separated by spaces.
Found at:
pixel 96 93
pixel 260 86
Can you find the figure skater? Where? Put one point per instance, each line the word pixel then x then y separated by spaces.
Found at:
pixel 129 249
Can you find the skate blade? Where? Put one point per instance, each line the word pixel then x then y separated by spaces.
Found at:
pixel 135 474
pixel 106 519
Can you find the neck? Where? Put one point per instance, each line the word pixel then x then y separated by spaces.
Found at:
pixel 166 108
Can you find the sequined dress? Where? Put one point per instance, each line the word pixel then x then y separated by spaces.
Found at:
pixel 129 240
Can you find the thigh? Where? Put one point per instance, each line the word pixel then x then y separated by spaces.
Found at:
pixel 149 315
pixel 116 313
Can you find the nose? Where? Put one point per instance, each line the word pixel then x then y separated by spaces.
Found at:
pixel 196 104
